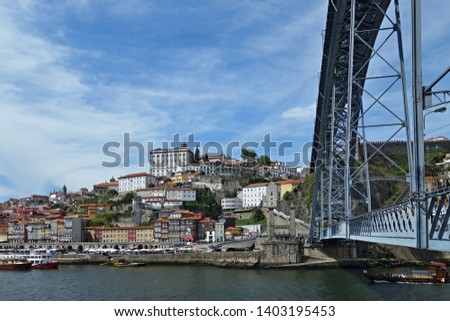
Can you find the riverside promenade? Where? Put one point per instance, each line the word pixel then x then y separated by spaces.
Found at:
pixel 268 254
pixel 233 254
pixel 250 254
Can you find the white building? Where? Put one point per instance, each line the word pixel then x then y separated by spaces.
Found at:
pixel 253 194
pixel 219 232
pixel 211 185
pixel 278 169
pixel 165 161
pixel 251 229
pixel 163 197
pixel 206 169
pixel 132 182
pixel 181 193
pixel 210 236
pixel 152 192
pixel 230 204
pixel 156 203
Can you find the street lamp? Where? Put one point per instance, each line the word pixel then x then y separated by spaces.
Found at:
pixel 438 110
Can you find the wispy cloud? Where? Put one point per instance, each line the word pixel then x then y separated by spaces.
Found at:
pixel 300 113
pixel 79 73
pixel 53 134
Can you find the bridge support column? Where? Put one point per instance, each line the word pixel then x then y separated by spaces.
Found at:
pixel 270 224
pixel 340 249
pixel 418 178
pixel 292 229
pixel 281 252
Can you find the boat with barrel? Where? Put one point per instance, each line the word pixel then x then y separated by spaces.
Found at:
pixel 436 272
pixel 126 263
pixel 12 263
pixel 42 260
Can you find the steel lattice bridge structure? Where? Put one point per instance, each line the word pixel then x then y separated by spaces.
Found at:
pixel 356 103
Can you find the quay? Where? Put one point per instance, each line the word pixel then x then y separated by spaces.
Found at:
pixel 248 253
pixel 253 253
pixel 247 259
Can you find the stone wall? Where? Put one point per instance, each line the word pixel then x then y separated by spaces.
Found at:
pixel 237 259
pixel 281 252
pixel 271 254
pixel 224 259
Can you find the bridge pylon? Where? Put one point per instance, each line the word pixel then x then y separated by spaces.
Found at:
pixel 362 107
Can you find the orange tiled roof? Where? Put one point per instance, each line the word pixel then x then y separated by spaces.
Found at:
pixel 233 228
pixel 290 181
pixel 116 228
pixel 72 216
pixel 94 205
pixel 257 185
pixel 105 185
pixel 184 212
pixel 135 175
pixel 168 188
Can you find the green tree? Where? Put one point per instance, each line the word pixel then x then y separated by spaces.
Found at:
pixel 103 219
pixel 93 200
pixel 258 214
pixel 431 159
pixel 95 222
pixel 197 154
pixel 114 204
pixel 264 160
pixel 309 184
pixel 248 153
pixel 287 195
pixel 256 180
pixel 205 202
pixel 112 193
pixel 127 198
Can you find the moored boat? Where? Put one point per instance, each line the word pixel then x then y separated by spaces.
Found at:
pixel 125 263
pixel 13 264
pixel 42 260
pixel 435 273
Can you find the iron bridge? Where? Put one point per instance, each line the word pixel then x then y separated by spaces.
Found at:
pixel 358 105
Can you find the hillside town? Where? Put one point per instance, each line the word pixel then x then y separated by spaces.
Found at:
pixel 182 198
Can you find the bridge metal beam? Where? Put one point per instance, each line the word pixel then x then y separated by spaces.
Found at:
pixel 350 44
pixel 340 128
pixel 417 91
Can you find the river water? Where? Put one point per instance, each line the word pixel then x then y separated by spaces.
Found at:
pixel 203 283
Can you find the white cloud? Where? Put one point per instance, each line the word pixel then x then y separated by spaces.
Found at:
pixel 72 78
pixel 300 113
pixel 51 134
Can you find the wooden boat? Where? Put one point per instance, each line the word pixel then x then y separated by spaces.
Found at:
pixel 125 263
pixel 435 273
pixel 14 264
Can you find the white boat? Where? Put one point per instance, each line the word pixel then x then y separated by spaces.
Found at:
pixel 42 260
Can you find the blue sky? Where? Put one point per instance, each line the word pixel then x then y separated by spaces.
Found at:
pixel 76 74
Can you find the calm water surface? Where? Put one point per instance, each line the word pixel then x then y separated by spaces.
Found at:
pixel 200 283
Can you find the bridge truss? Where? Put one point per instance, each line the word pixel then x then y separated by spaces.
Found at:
pixel 360 33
